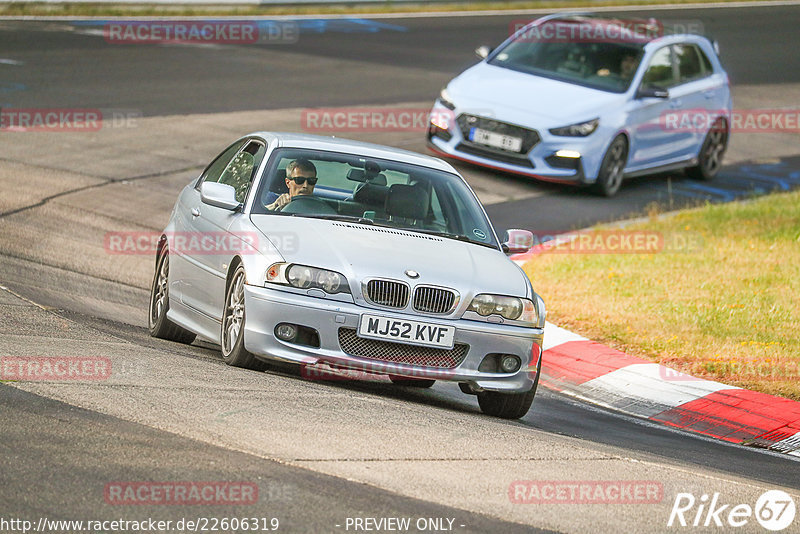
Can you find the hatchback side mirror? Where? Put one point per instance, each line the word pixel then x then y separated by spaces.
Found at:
pixel 219 195
pixel 517 241
pixel 483 51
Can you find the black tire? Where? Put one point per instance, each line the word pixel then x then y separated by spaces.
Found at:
pixel 509 405
pixel 709 160
pixel 411 382
pixel 157 321
pixel 611 173
pixel 232 328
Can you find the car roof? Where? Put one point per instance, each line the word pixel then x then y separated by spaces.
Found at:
pixel 338 144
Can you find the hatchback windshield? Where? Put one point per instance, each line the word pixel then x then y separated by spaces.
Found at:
pixel 331 185
pixel 596 54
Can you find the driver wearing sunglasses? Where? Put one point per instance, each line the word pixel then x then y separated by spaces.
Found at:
pixel 301 177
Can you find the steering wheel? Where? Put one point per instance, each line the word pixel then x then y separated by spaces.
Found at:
pixel 308 205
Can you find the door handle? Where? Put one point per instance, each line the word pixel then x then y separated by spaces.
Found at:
pixel 196 212
pixel 708 94
pixel 674 104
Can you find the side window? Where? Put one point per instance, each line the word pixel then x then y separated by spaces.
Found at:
pixel 689 65
pixel 706 62
pixel 659 72
pixel 239 172
pixel 214 170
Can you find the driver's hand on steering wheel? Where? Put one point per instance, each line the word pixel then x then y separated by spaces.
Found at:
pixel 280 202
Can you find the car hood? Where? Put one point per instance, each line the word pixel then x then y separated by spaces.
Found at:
pixel 361 251
pixel 526 99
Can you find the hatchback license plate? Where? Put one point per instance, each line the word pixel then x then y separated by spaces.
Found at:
pixel 412 332
pixel 496 140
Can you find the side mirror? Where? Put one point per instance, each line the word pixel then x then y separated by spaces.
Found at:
pixel 517 241
pixel 219 195
pixel 651 91
pixel 483 51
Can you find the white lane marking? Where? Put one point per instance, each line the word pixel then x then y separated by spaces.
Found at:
pixel 646 389
pixel 790 444
pixel 4 61
pixel 555 335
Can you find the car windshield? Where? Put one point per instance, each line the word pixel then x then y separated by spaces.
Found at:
pixel 597 54
pixel 375 192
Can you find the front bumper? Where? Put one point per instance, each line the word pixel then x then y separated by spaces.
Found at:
pixel 266 308
pixel 541 161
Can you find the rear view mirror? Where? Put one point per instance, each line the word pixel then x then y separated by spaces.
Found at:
pixel 517 241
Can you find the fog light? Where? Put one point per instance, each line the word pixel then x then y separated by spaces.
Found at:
pixel 510 364
pixel 568 153
pixel 286 331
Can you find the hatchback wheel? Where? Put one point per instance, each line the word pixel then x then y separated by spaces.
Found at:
pixel 157 321
pixel 233 320
pixel 609 178
pixel 709 160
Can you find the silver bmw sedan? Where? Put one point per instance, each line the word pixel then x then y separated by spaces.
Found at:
pixel 319 251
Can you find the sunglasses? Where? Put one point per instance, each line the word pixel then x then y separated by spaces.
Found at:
pixel 300 180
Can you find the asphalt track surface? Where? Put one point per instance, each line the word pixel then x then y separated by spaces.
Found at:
pixel 54 455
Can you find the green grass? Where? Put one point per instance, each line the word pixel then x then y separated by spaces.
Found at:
pixel 727 309
pixel 110 9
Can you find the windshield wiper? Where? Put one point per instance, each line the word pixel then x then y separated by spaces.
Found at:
pixel 458 237
pixel 348 218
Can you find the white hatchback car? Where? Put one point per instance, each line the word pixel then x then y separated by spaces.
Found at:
pixel 579 99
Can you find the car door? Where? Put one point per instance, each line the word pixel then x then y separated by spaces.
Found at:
pixel 181 261
pixel 210 245
pixel 698 94
pixel 653 144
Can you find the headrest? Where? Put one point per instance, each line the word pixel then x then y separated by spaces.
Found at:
pixel 279 182
pixel 374 195
pixel 407 201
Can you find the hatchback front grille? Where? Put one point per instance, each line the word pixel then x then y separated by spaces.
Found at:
pixel 428 299
pixel 467 122
pixel 387 293
pixel 388 351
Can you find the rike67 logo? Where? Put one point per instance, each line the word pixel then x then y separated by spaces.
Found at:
pixel 774 510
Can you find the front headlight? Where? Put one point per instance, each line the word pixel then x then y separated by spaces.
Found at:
pixel 511 308
pixel 576 130
pixel 306 277
pixel 446 99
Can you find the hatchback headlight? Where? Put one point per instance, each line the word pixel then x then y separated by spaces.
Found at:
pixel 511 308
pixel 581 129
pixel 306 277
pixel 446 99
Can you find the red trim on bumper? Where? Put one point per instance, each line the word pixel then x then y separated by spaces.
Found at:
pixel 435 150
